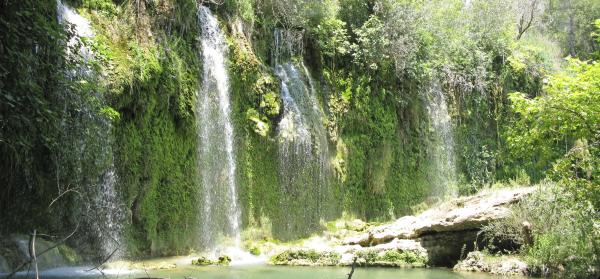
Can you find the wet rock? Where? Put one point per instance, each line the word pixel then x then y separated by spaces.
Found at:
pixel 4 268
pixel 50 259
pixel 224 260
pixel 202 261
pixel 306 257
pixel 355 225
pixel 501 265
pixel 399 252
pixel 437 237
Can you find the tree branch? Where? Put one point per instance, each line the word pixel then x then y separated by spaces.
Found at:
pixel 12 274
pixel 353 266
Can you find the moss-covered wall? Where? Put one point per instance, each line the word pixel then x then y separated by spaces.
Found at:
pixel 148 73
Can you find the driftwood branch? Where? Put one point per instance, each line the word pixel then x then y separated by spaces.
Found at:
pixel 97 267
pixel 353 266
pixel 32 254
pixel 35 255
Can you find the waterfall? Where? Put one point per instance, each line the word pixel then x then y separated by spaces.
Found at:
pixel 220 210
pixel 443 175
pixel 303 144
pixel 88 131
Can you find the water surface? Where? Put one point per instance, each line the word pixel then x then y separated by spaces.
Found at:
pixel 268 272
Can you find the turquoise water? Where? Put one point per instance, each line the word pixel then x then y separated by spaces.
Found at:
pixel 268 272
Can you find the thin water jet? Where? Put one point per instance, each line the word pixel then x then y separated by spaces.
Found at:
pixel 443 173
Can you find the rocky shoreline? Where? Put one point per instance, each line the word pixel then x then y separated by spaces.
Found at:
pixel 447 235
pixel 438 237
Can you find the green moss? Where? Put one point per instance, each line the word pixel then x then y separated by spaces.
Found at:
pixel 202 261
pixel 306 257
pixel 69 254
pixel 372 257
pixel 254 250
pixel 224 260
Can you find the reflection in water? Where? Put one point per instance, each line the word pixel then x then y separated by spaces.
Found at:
pixel 272 272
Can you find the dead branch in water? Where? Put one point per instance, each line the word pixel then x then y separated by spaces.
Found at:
pixel 25 263
pixel 32 254
pixel 353 266
pixel 97 267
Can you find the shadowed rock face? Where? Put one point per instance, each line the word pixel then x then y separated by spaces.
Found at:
pixel 4 265
pixel 14 250
pixel 447 248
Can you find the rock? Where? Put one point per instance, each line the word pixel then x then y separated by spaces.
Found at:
pixel 355 225
pixel 306 257
pixel 4 268
pixel 166 265
pixel 510 267
pixel 399 252
pixel 202 261
pixel 446 248
pixel 473 262
pixel 50 259
pixel 254 250
pixel 498 265
pixel 224 260
pixel 469 213
pixel 437 237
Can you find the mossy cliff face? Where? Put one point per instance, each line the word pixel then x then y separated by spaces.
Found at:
pixel 148 71
pixel 153 69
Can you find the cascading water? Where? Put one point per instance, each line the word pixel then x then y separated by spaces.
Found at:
pixel 303 144
pixel 220 211
pixel 103 212
pixel 443 175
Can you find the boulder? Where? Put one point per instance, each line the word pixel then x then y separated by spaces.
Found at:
pixel 463 214
pixel 50 259
pixel 224 260
pixel 4 268
pixel 499 265
pixel 202 261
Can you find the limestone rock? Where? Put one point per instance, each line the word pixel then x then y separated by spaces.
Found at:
pixel 469 213
pixel 503 265
pixel 438 237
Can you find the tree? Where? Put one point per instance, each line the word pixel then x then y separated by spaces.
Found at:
pixel 529 13
pixel 562 128
pixel 571 23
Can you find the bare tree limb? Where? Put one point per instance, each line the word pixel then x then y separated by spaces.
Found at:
pixel 353 266
pixel 25 263
pixel 97 267
pixel 523 27
pixel 32 254
pixel 69 189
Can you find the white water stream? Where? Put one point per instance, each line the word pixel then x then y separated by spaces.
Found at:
pixel 221 214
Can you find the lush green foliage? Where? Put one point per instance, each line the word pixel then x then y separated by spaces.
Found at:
pixel 560 129
pixel 372 62
pixel 565 233
pixel 153 86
